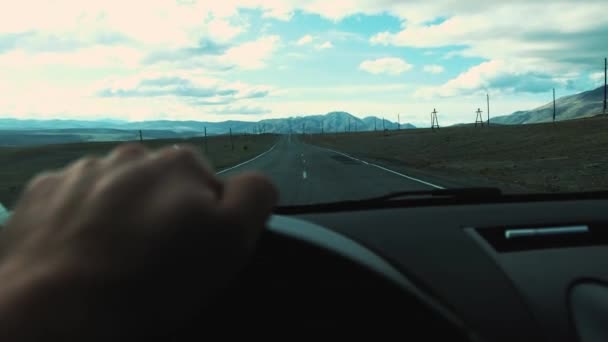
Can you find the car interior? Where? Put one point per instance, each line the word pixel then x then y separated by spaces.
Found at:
pixel 472 268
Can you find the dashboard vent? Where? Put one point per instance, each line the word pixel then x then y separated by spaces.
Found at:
pixel 510 239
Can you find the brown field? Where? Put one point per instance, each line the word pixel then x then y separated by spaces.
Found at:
pixel 562 157
pixel 18 165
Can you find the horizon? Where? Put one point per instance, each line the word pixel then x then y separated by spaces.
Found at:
pixel 251 60
pixel 127 121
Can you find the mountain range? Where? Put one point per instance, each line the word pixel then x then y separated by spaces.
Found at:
pixel 585 104
pixel 20 132
pixel 330 122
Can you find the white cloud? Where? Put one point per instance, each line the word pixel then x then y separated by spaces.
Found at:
pixel 253 55
pixel 223 31
pixel 189 85
pixel 387 65
pixel 597 76
pixel 70 44
pixel 433 69
pixel 324 46
pixel 491 33
pixel 498 76
pixel 348 90
pixel 307 39
pixel 92 57
pixel 241 110
pixel 472 80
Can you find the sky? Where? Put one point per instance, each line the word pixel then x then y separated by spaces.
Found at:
pixel 259 59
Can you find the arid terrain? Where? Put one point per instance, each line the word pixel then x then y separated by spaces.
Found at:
pixel 19 164
pixel 565 156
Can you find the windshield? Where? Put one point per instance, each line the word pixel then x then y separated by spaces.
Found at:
pixel 333 100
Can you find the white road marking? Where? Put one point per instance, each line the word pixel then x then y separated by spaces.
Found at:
pixel 304 174
pixel 387 170
pixel 245 162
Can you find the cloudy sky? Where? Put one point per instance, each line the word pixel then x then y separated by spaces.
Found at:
pixel 257 59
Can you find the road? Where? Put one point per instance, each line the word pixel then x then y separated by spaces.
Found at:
pixel 308 174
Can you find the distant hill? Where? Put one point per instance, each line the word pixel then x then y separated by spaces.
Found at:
pixel 331 122
pixel 585 104
pixel 17 132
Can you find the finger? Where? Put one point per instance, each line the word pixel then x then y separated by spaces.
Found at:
pixel 249 199
pixel 43 186
pixel 125 153
pixel 82 166
pixel 168 165
pixel 185 202
pixel 44 183
pixel 79 177
pixel 187 152
pixel 180 157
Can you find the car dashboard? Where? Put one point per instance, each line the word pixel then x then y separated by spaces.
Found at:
pixel 509 271
pixel 519 269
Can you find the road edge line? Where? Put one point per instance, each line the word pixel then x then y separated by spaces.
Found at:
pixel 386 169
pixel 247 161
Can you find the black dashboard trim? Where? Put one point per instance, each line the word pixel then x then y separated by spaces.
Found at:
pixel 358 205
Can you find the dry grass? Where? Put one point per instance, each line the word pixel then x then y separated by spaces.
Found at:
pixel 18 165
pixel 566 156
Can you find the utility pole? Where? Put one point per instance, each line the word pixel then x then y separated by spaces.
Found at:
pixel 206 149
pixel 141 137
pixel 349 125
pixel 383 125
pixel 488 97
pixel 321 126
pixel 553 104
pixel 398 122
pixel 231 141
pixel 374 123
pixel 605 87
pixel 303 129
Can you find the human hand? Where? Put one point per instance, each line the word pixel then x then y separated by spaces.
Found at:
pixel 125 246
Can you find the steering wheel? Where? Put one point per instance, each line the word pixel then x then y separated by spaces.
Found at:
pixel 306 279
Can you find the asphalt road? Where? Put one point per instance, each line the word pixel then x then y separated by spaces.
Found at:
pixel 308 174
